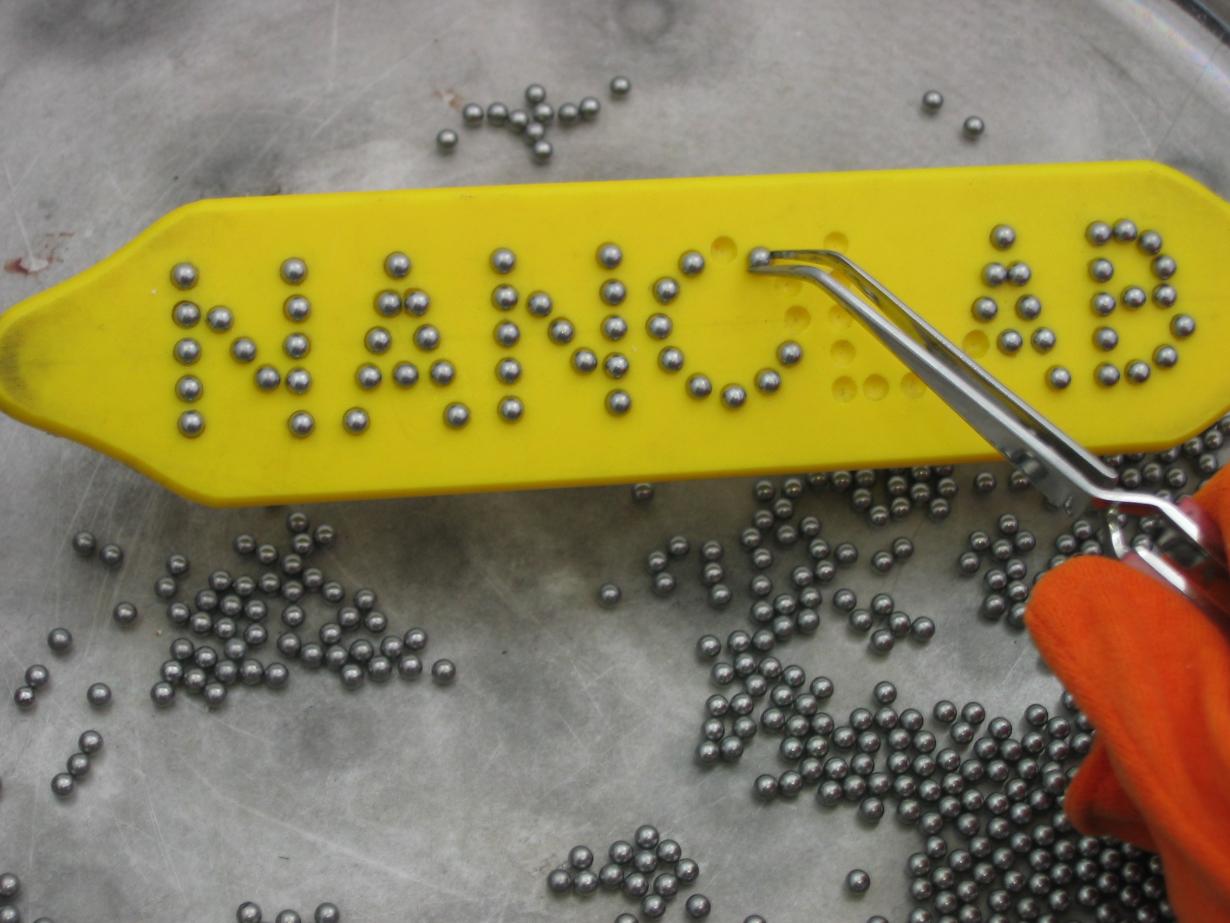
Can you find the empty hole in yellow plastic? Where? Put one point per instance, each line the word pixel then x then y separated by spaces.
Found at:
pixel 875 387
pixel 843 352
pixel 975 343
pixel 836 240
pixel 723 248
pixel 911 385
pixel 839 316
pixel 844 388
pixel 798 317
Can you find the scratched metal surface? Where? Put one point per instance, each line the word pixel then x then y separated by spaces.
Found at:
pixel 568 724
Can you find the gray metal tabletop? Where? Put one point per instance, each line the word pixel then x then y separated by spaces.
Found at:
pixel 568 723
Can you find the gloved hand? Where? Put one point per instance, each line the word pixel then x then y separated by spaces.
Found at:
pixel 1152 672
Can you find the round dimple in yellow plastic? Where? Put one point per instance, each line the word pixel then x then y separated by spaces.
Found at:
pixel 92 358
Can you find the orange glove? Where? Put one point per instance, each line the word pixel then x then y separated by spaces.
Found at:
pixel 1153 673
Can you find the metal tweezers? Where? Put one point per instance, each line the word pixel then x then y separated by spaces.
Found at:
pixel 1182 547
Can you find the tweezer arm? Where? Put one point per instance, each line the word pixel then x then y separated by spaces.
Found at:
pixel 1191 557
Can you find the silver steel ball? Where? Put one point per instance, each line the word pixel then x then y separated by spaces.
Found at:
pixel 124 613
pixel 609 255
pixel 559 881
pixel 691 263
pixel 665 290
pixel 1028 307
pixel 506 334
pixel 355 421
pixel 984 309
pixel 584 360
pixel 858 881
pixel 1124 230
pixel 503 260
pixel 758 256
pixel 511 409
pixel 276 675
pixel 609 595
pixel 1164 266
pixel 539 304
pixel 426 337
pixel 932 100
pixel 1137 371
pixel 90 742
pixel 518 120
pixel 288 916
pixel 568 113
pixel 456 415
pixel 300 423
pixel 191 423
pixel 1165 356
pixel 542 150
pixel 298 381
pixel 60 640
pixel 1102 304
pixel 1009 342
pixel 768 381
pixel 397 265
pixel 415 302
pixel 367 376
pixel 1133 297
pixel 561 331
pixel 187 351
pixel 1182 326
pixel 589 107
pixel 184 275
pixel 1106 375
pixel 1003 236
pixel 1098 233
pixel 659 326
pixel 442 372
pixel 670 359
pixel 994 274
pixel 620 86
pixel 296 345
pixel 186 314
pixel 614 327
pixel 1149 242
pixel 220 319
pixel 1164 295
pixel 84 544
pixel 618 402
pixel 377 340
pixel 163 694
pixel 789 353
pixel 535 93
pixel 1019 273
pixel 699 386
pixel 508 371
pixel 1043 339
pixel 1105 338
pixel 612 292
pixel 973 126
pixel 327 913
pixel 472 114
pixel 446 140
pixel 189 388
pixel 214 694
pixel 1101 269
pixel 734 396
pixel 62 785
pixel 37 676
pixel 409 666
pixel 23 697
pixel 443 672
pixel 10 886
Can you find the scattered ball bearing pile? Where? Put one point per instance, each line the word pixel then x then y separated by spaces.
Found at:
pixel 36 677
pixel 234 612
pixel 533 122
pixel 250 912
pixel 648 869
pixel 985 797
pixel 77 767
